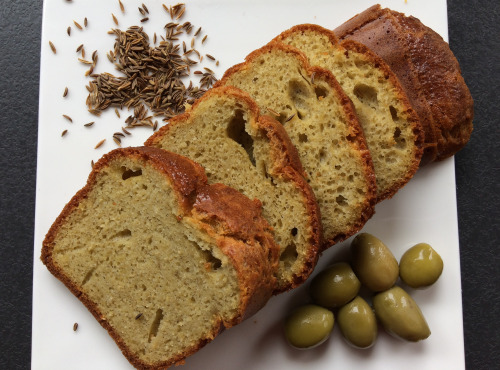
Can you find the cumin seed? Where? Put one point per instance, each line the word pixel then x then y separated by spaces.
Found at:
pixel 114 19
pixel 67 117
pixel 77 25
pixel 75 325
pixel 69 31
pixel 273 112
pixel 122 8
pixel 52 47
pixel 289 118
pixel 65 93
pixel 181 13
pixel 151 74
pixel 100 143
pixel 64 133
pixel 84 61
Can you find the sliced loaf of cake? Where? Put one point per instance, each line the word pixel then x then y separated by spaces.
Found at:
pixel 161 259
pixel 320 121
pixel 391 127
pixel 428 71
pixel 224 132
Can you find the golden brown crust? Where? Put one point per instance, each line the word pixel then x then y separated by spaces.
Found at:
pixel 252 248
pixel 355 137
pixel 286 164
pixel 305 27
pixel 245 237
pixel 427 70
pixel 441 79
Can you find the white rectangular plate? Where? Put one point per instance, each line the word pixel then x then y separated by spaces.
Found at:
pixel 424 211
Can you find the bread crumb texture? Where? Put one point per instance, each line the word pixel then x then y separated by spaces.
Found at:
pixel 323 127
pixel 391 127
pixel 162 281
pixel 225 134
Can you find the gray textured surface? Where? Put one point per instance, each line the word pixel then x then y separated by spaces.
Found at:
pixel 474 29
pixel 474 32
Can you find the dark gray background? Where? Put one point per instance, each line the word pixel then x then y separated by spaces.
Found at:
pixel 474 33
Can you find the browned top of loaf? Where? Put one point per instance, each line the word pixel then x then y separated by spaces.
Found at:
pixel 428 71
pixel 224 213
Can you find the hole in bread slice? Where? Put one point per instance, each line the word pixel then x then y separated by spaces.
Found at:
pixel 88 275
pixel 236 131
pixel 289 255
pixel 213 263
pixel 394 113
pixel 366 94
pixel 300 94
pixel 125 233
pixel 153 331
pixel 128 173
pixel 320 92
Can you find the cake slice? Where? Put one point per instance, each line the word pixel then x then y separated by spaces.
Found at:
pixel 391 127
pixel 224 132
pixel 320 121
pixel 428 71
pixel 162 260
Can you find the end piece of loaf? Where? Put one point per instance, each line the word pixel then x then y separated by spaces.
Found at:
pixel 428 71
pixel 224 132
pixel 320 121
pixel 391 127
pixel 162 260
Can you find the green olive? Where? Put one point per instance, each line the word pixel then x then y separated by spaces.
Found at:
pixel 308 326
pixel 400 315
pixel 420 266
pixel 374 264
pixel 358 324
pixel 335 286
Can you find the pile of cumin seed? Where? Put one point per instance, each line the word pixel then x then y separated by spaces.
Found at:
pixel 152 77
